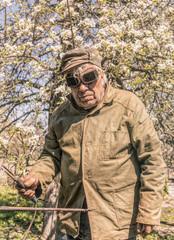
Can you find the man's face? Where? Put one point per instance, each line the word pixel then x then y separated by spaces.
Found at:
pixel 88 95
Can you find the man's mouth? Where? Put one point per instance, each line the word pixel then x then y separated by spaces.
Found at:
pixel 86 98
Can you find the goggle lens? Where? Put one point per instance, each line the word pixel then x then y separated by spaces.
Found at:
pixel 71 81
pixel 90 77
pixel 86 78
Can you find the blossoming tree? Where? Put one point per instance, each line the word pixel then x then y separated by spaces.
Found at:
pixel 135 39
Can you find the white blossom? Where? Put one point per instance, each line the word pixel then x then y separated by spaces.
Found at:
pixel 79 5
pixel 19 125
pixel 26 93
pixel 129 23
pixel 65 33
pixel 25 129
pixel 3 141
pixel 66 12
pixel 141 4
pixel 103 32
pixel 103 19
pixel 9 29
pixel 7 2
pixel 63 98
pixel 122 44
pixel 42 91
pixel 29 129
pixel 53 34
pixel 22 23
pixel 56 48
pixel 44 94
pixel 89 22
pixel 38 106
pixel 151 42
pixel 61 89
pixel 136 33
pixel 66 42
pixel 137 46
pixel 63 2
pixel 29 44
pixel 161 66
pixel 169 47
pixel 78 39
pixel 170 9
pixel 52 19
pixel 49 40
pixel 25 25
pixel 170 64
pixel 40 28
pixel 34 139
pixel 38 8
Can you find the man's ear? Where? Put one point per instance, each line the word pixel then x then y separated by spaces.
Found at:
pixel 102 78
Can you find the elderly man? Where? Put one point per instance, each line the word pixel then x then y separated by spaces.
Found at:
pixel 105 146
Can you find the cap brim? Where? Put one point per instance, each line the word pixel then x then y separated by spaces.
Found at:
pixel 76 65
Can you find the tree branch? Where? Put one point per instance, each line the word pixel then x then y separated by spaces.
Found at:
pixel 72 33
pixel 15 120
pixel 19 101
pixel 32 57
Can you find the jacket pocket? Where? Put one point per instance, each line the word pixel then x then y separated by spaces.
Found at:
pixel 113 144
pixel 126 201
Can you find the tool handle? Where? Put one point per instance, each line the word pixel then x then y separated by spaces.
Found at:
pixel 34 200
pixel 22 185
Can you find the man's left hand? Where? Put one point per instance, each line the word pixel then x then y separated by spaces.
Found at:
pixel 144 229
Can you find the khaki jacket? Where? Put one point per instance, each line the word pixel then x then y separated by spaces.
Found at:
pixel 112 156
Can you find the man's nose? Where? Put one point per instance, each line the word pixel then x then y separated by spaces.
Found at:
pixel 83 87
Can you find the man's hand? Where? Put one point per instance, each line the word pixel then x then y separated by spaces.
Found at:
pixel 31 182
pixel 144 229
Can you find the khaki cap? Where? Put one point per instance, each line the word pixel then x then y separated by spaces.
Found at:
pixel 78 56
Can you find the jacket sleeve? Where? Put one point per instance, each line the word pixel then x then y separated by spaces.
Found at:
pixel 152 166
pixel 48 164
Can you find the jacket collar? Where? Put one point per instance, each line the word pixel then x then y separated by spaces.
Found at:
pixel 109 95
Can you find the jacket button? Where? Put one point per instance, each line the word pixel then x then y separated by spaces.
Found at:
pixel 85 176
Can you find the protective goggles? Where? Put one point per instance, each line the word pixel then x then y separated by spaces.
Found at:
pixel 86 79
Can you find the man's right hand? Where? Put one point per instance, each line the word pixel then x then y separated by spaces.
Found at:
pixel 31 182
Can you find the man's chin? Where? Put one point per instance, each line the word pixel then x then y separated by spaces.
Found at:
pixel 88 104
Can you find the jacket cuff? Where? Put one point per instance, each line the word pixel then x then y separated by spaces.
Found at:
pixel 148 221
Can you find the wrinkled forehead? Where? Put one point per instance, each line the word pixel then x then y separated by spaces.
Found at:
pixel 82 69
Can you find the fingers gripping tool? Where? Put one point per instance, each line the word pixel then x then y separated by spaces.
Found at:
pixel 18 181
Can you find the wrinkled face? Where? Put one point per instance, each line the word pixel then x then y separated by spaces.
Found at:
pixel 88 95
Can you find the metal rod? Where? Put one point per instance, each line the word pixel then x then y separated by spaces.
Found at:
pixel 6 208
